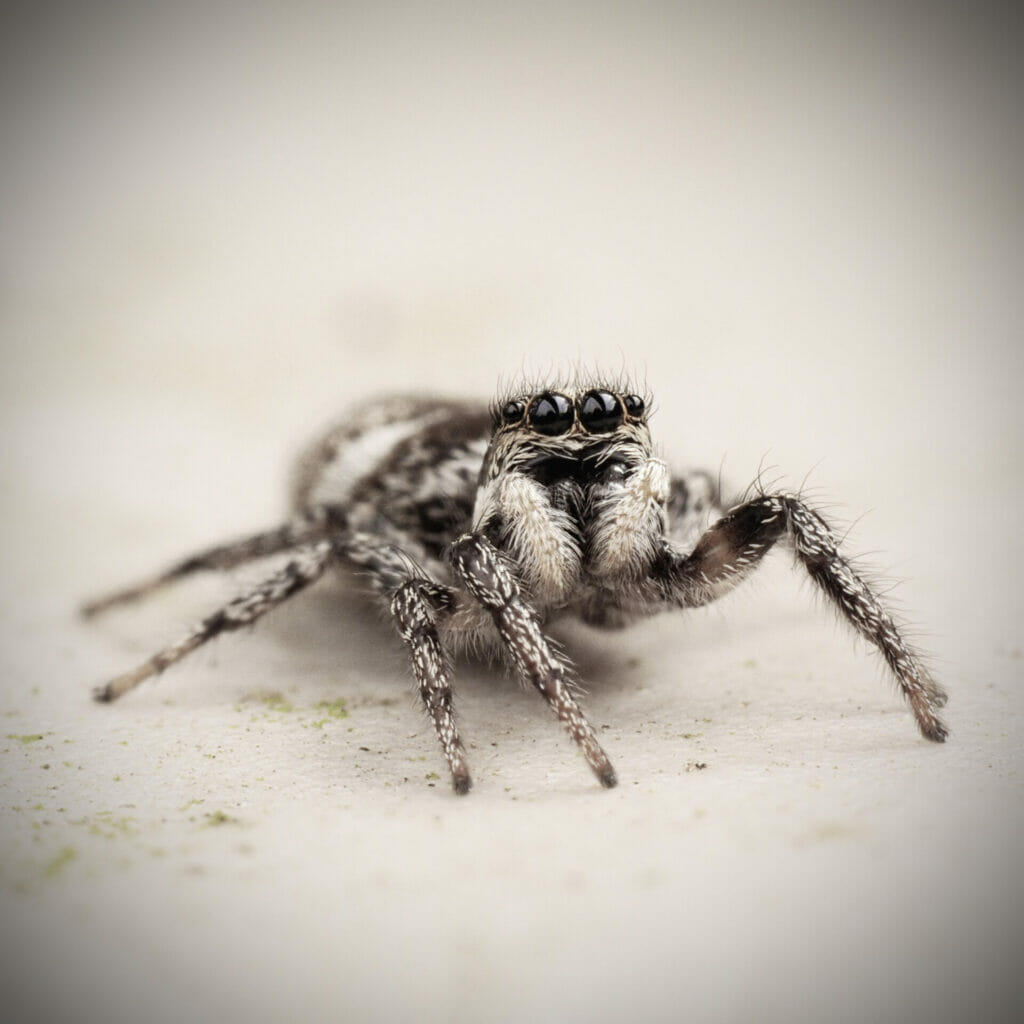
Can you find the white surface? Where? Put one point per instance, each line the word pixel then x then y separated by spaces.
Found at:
pixel 804 230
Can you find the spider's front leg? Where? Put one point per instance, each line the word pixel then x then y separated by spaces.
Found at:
pixel 480 567
pixel 738 541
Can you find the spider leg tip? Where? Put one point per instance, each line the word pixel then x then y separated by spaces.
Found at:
pixel 462 784
pixel 91 609
pixel 103 694
pixel 99 605
pixel 934 729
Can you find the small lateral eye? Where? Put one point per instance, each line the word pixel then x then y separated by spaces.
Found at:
pixel 512 412
pixel 634 406
pixel 600 412
pixel 551 414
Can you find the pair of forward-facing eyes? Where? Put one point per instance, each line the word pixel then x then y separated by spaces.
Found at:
pixel 551 413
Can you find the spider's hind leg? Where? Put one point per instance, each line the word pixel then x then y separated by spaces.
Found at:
pixel 737 542
pixel 309 527
pixel 306 565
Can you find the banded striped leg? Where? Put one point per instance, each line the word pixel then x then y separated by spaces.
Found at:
pixel 479 566
pixel 734 546
pixel 414 601
pixel 302 530
pixel 306 565
pixel 413 606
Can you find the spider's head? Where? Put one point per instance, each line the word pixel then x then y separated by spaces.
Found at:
pixel 554 435
pixel 560 464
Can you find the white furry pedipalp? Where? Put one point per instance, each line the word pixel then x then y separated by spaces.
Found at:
pixel 541 539
pixel 629 522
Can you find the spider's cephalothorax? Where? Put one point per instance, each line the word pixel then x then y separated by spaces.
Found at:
pixel 476 528
pixel 565 482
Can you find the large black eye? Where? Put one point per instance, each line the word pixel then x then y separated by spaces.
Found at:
pixel 634 406
pixel 551 414
pixel 600 412
pixel 512 412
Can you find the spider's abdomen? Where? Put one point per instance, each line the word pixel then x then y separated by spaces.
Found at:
pixel 403 468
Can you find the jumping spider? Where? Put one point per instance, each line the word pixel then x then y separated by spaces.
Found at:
pixel 476 527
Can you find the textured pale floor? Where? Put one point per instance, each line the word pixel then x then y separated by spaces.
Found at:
pixel 807 239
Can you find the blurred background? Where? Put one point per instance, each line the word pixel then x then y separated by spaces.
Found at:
pixel 801 224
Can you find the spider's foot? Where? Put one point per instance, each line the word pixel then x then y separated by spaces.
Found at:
pixel 123 683
pixel 91 609
pixel 599 763
pixel 924 703
pixel 99 605
pixel 462 781
pixel 933 729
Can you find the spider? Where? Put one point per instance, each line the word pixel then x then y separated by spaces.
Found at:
pixel 476 527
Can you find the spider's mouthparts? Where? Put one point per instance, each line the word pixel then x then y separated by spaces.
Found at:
pixel 585 468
